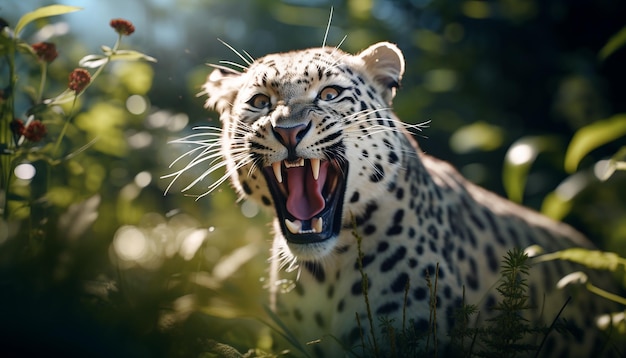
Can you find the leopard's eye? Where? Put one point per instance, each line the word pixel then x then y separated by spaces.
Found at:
pixel 329 93
pixel 259 101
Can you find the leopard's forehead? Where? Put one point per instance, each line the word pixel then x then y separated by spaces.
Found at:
pixel 297 73
pixel 312 62
pixel 322 56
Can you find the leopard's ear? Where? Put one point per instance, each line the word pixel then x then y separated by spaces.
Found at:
pixel 385 62
pixel 221 88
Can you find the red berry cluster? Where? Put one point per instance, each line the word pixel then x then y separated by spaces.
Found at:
pixel 122 27
pixel 45 51
pixel 34 131
pixel 79 79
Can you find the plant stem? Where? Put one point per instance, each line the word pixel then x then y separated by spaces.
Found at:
pixel 42 83
pixel 67 123
pixel 71 113
pixel 606 294
pixel 6 139
pixel 93 78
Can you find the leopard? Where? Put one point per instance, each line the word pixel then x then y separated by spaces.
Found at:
pixel 360 211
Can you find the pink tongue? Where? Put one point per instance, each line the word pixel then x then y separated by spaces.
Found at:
pixel 304 198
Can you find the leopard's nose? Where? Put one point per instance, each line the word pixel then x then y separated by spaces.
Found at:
pixel 290 137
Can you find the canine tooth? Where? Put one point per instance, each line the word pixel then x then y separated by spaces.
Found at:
pixel 277 172
pixel 315 167
pixel 293 226
pixel 316 225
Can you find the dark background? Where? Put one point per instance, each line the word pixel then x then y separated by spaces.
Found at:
pixel 130 282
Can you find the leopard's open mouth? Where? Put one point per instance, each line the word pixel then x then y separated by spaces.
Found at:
pixel 308 196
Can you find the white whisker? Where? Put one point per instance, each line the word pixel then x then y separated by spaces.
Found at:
pixel 247 61
pixel 341 42
pixel 234 64
pixel 330 18
pixel 224 68
pixel 189 153
pixel 249 56
pixel 224 177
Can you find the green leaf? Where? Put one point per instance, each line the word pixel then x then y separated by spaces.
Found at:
pixel 555 206
pixel 518 161
pixel 42 12
pixel 66 96
pixel 593 259
pixel 477 136
pixel 615 42
pixel 593 136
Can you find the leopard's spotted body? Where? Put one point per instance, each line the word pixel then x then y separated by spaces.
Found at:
pixel 310 134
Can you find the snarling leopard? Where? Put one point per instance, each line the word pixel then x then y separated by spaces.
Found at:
pixel 362 212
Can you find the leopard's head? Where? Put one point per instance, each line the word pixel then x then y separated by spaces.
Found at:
pixel 308 134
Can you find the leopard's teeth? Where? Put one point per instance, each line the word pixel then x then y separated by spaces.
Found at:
pixel 277 173
pixel 316 224
pixel 296 163
pixel 315 168
pixel 293 226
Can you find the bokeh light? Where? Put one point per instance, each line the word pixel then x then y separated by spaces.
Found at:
pixel 25 171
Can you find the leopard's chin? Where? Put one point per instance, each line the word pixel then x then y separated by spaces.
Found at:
pixel 308 197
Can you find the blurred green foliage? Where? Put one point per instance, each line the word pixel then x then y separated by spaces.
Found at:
pixel 97 261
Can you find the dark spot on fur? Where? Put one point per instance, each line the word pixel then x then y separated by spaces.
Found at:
pixel 422 326
pixel 387 308
pixel 472 277
pixel 367 259
pixel 378 174
pixel 433 246
pixel 394 230
pixel 479 224
pixel 492 259
pixel 432 230
pixel 392 260
pixel 266 201
pixel 420 293
pixel 397 217
pixel 399 193
pixel 369 210
pixel 399 284
pixel 393 158
pixel 357 287
pixel 316 270
pixel 246 188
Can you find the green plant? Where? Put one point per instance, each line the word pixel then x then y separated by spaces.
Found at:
pixel 407 341
pixel 365 283
pixel 507 331
pixel 24 141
